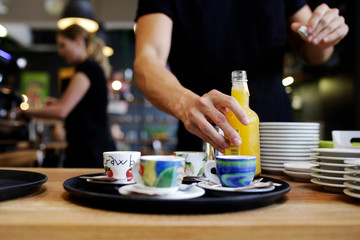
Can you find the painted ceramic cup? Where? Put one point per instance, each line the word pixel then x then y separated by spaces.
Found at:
pixel 194 162
pixel 118 164
pixel 231 170
pixel 160 173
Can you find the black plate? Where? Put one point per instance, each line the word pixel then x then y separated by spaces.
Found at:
pixel 15 183
pixel 98 196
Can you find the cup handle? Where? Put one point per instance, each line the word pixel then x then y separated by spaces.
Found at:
pixel 136 171
pixel 207 171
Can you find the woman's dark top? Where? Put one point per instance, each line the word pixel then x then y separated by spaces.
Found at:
pixel 87 131
pixel 212 38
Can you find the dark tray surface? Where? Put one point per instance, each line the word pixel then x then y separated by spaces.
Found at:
pixel 107 196
pixel 16 183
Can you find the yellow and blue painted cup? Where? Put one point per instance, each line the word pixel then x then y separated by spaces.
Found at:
pixel 160 172
pixel 231 170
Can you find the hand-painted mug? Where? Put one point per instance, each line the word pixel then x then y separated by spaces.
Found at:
pixel 160 173
pixel 231 170
pixel 194 162
pixel 118 164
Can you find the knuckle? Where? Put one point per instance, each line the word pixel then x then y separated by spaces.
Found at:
pixel 219 118
pixel 201 102
pixel 322 22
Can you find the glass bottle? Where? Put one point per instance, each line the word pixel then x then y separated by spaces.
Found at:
pixel 250 133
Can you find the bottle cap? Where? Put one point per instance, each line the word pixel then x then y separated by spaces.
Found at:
pixel 239 75
pixel 302 30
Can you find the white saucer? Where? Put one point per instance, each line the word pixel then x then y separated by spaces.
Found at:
pixel 98 179
pixel 276 165
pixel 284 135
pixel 298 176
pixel 288 131
pixel 320 170
pixel 286 158
pixel 287 154
pixel 138 191
pixel 273 170
pixel 353 161
pixel 355 170
pixel 287 150
pixel 352 185
pixel 273 161
pixel 326 177
pixel 299 166
pixel 352 193
pixel 338 152
pixel 279 146
pixel 332 164
pixel 291 139
pixel 206 185
pixel 325 183
pixel 284 124
pixel 285 143
pixel 352 177
pixel 329 159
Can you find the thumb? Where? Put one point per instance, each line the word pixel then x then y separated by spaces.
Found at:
pixel 295 25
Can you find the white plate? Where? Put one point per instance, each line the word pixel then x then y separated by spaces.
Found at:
pixel 273 161
pixel 139 191
pixel 292 139
pixel 288 154
pixel 287 150
pixel 338 152
pixel 354 161
pixel 322 176
pixel 325 183
pixel 352 177
pixel 286 158
pixel 352 193
pixel 280 146
pixel 289 124
pixel 284 135
pixel 298 166
pixel 332 164
pixel 285 143
pixel 319 170
pixel 302 176
pixel 355 170
pixel 328 159
pixel 352 185
pixel 93 179
pixel 276 165
pixel 273 170
pixel 288 131
pixel 205 185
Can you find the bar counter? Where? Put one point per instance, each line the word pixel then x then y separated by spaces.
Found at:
pixel 306 212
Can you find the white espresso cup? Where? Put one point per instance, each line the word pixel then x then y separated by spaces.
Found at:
pixel 118 164
pixel 194 162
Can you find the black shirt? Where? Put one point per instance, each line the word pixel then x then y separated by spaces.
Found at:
pixel 212 38
pixel 86 126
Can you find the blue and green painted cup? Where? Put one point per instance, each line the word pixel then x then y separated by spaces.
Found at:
pixel 232 170
pixel 163 172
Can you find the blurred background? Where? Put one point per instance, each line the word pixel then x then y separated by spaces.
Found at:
pixel 31 67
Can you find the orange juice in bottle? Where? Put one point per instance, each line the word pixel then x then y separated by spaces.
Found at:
pixel 249 134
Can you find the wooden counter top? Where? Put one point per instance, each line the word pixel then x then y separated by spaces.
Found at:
pixel 307 212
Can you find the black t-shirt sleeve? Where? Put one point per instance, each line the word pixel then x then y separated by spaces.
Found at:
pixel 292 6
pixel 154 6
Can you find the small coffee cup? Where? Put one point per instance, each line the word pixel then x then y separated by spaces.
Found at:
pixel 231 170
pixel 194 162
pixel 118 164
pixel 159 173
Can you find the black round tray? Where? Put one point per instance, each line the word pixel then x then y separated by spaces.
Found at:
pixel 106 196
pixel 16 183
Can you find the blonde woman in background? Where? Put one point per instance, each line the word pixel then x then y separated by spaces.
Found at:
pixel 83 104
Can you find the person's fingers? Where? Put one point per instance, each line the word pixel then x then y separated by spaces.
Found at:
pixel 317 15
pixel 295 26
pixel 336 36
pixel 327 24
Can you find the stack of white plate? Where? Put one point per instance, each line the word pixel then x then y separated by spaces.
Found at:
pixel 352 183
pixel 332 167
pixel 282 142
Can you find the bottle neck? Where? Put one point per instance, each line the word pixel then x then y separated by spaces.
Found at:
pixel 240 91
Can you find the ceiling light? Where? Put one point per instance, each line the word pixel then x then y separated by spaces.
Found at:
pixel 78 12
